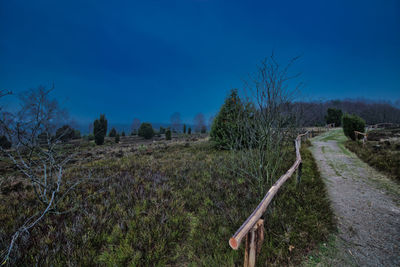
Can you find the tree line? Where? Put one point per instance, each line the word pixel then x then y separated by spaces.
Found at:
pixel 314 113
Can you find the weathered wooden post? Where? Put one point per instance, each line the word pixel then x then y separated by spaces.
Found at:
pixel 254 240
pixel 299 172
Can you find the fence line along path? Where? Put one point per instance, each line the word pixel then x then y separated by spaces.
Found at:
pixel 253 227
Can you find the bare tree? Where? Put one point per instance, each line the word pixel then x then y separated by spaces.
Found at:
pixel 199 122
pixel 38 154
pixel 176 122
pixel 266 123
pixel 135 125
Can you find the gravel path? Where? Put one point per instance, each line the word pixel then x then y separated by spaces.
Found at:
pixel 365 202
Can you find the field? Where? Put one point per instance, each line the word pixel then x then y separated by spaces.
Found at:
pixel 162 203
pixel 381 151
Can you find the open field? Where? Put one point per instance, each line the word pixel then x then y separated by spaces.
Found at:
pixel 164 203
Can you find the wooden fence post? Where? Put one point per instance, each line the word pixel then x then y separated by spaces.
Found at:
pixel 299 172
pixel 254 240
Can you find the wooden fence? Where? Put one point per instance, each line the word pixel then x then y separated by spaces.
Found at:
pixel 253 227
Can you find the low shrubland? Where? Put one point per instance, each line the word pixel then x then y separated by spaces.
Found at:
pixel 172 205
pixel 381 151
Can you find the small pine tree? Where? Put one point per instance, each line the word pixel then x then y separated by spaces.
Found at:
pixel 190 130
pixel 168 134
pixel 224 130
pixel 123 133
pixel 117 138
pixel 184 128
pixel 100 129
pixel 112 133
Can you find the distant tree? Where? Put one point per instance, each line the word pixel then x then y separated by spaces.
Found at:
pixel 65 133
pixel 190 130
pixel 199 122
pixel 123 133
pixel 91 127
pixel 135 126
pixel 100 129
pixel 334 116
pixel 352 123
pixel 117 138
pixel 203 129
pixel 4 143
pixel 146 130
pixel 168 134
pixel 176 122
pixel 162 130
pixel 112 133
pixel 184 128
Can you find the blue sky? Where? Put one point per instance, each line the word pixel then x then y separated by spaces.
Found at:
pixel 149 59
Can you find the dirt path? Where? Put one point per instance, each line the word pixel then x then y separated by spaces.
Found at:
pixel 365 202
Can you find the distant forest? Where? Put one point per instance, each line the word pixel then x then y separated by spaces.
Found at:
pixel 313 113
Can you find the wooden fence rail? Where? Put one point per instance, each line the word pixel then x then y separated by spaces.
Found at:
pixel 253 227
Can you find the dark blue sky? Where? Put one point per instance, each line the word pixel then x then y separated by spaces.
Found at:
pixel 149 59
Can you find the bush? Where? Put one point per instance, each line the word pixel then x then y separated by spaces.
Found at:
pixel 190 130
pixel 123 133
pixel 100 129
pixel 184 128
pixel 65 133
pixel 334 116
pixel 162 130
pixel 146 130
pixel 168 134
pixel 203 129
pixel 91 137
pixel 4 143
pixel 117 138
pixel 113 133
pixel 352 123
pixel 77 134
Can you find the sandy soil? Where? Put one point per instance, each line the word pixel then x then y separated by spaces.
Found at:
pixel 365 202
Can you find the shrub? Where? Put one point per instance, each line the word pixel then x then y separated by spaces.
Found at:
pixel 334 116
pixel 146 130
pixel 123 133
pixel 203 129
pixel 162 130
pixel 112 133
pixel 190 130
pixel 184 128
pixel 352 123
pixel 117 138
pixel 4 143
pixel 100 129
pixel 168 134
pixel 77 134
pixel 91 137
pixel 65 133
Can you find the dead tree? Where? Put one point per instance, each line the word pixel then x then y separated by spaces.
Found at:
pixel 38 155
pixel 267 124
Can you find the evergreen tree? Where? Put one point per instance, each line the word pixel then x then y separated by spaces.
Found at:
pixel 112 133
pixel 100 129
